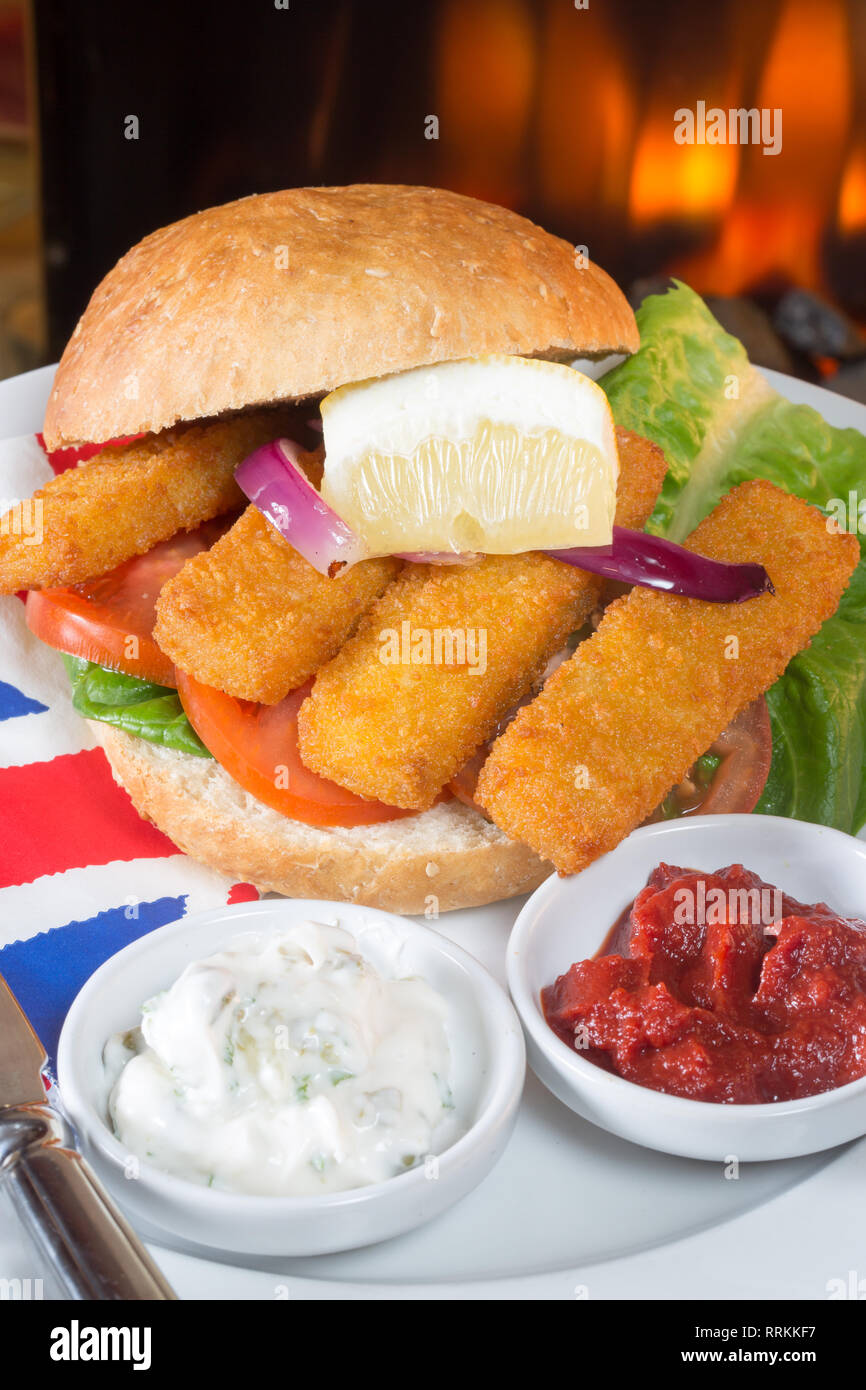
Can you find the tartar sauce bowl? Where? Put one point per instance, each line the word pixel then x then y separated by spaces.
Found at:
pixel 568 919
pixel 488 1069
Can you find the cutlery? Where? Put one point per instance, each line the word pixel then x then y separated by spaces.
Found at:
pixel 62 1205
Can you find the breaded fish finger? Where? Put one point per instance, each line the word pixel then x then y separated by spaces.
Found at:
pixel 642 469
pixel 620 723
pixel 393 718
pixel 129 497
pixel 252 617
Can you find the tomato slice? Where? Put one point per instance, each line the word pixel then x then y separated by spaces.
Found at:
pixel 258 746
pixel 465 781
pixel 61 459
pixel 746 751
pixel 743 752
pixel 110 619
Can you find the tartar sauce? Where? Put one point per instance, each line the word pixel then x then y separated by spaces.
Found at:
pixel 288 1065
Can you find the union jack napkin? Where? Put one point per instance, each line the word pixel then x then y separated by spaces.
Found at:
pixel 81 874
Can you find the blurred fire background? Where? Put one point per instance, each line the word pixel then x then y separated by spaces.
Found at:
pixel 564 113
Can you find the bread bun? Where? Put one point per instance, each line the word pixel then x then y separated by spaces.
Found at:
pixel 445 858
pixel 281 296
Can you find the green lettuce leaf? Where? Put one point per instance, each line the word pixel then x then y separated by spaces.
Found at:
pixel 692 390
pixel 138 707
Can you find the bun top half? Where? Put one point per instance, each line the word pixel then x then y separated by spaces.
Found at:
pixel 282 296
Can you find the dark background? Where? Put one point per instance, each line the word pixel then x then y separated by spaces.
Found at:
pixel 231 99
pixel 564 114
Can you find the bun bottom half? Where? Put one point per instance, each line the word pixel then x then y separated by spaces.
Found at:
pixel 437 861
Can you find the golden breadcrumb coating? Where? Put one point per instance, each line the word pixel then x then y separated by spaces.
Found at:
pixel 642 469
pixel 127 498
pixel 252 617
pixel 398 730
pixel 621 722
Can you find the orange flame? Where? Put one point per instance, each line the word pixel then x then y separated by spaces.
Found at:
pixel 688 182
pixel 852 194
pixel 807 75
pixel 776 222
pixel 586 112
pixel 485 70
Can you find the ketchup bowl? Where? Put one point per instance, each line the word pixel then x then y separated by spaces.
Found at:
pixel 569 919
pixel 486 1049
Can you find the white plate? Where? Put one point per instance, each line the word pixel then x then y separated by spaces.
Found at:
pixel 570 1211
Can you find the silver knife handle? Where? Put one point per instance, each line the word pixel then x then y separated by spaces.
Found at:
pixel 93 1250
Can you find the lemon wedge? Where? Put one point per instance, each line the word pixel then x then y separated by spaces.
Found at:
pixel 497 454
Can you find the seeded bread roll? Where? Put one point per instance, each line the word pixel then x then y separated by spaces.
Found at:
pixel 445 858
pixel 283 296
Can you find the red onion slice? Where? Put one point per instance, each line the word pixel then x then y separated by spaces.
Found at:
pixel 440 557
pixel 275 483
pixel 636 557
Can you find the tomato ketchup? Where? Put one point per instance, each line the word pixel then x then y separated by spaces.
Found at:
pixel 720 987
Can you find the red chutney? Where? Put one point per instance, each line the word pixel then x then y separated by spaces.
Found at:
pixel 723 989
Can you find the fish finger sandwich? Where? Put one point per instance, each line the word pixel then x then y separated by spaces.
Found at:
pixel 354 507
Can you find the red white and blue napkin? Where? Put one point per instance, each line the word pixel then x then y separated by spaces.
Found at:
pixel 81 874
